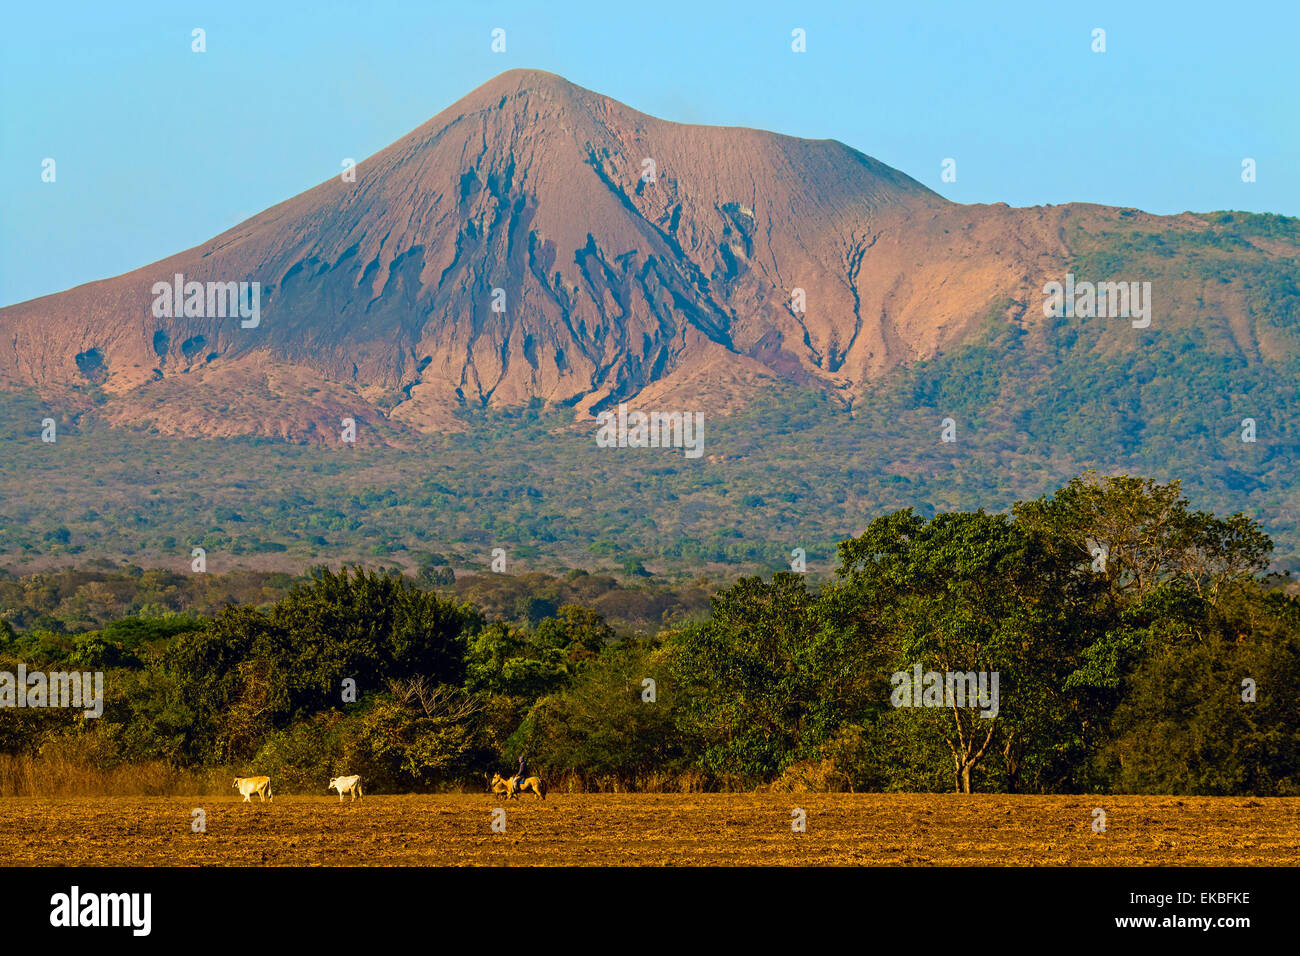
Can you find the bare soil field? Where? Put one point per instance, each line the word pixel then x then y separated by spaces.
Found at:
pixel 653 829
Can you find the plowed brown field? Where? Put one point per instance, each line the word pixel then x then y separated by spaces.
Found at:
pixel 653 829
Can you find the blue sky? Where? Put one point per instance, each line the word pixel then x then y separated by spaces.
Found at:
pixel 158 148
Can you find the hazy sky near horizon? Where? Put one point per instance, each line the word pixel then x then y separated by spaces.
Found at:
pixel 159 148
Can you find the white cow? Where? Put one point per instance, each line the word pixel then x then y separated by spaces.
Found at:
pixel 254 785
pixel 344 785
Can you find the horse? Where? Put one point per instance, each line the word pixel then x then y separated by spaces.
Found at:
pixel 512 786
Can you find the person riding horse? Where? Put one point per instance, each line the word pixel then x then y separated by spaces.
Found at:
pixel 521 782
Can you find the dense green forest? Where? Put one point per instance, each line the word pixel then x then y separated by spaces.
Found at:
pixel 1140 645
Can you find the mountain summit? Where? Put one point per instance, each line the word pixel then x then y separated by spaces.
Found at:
pixel 536 240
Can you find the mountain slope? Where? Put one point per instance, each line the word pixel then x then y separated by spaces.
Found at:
pixel 377 295
pixel 383 287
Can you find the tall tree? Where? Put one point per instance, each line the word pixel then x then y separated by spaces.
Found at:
pixel 971 593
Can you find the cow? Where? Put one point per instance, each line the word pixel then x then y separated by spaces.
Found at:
pixel 254 785
pixel 350 785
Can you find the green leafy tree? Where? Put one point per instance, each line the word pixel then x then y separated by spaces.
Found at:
pixel 971 593
pixel 250 672
pixel 602 728
pixel 750 691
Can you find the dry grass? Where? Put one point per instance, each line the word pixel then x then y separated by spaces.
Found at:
pixel 655 829
pixel 64 774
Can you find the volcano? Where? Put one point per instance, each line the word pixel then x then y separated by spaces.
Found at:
pixel 539 242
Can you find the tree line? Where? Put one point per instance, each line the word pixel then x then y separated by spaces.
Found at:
pixel 1137 644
